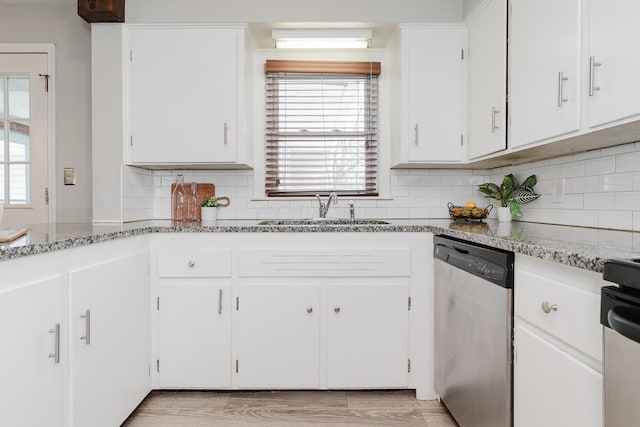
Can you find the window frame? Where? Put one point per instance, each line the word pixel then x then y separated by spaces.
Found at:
pixel 260 57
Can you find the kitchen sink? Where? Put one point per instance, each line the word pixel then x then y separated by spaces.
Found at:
pixel 323 221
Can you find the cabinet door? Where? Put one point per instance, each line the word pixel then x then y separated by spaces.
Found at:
pixel 195 335
pixel 278 336
pixel 614 43
pixel 110 351
pixel 183 95
pixel 487 56
pixel 435 94
pixel 544 49
pixel 552 388
pixel 367 335
pixel 32 382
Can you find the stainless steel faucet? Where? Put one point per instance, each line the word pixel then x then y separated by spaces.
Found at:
pixel 324 208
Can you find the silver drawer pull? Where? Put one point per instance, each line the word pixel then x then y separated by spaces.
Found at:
pixel 336 309
pixel 309 309
pixel 87 322
pixel 56 351
pixel 220 301
pixel 191 264
pixel 548 307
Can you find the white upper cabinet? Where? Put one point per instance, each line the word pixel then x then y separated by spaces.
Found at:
pixel 614 63
pixel 487 58
pixel 544 70
pixel 431 94
pixel 186 92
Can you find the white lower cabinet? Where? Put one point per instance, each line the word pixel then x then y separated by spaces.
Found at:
pixel 558 345
pixel 297 311
pixel 367 335
pixel 109 340
pixel 554 388
pixel 194 344
pixel 32 358
pixel 278 336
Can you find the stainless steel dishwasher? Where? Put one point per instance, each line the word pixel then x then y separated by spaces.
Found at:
pixel 474 332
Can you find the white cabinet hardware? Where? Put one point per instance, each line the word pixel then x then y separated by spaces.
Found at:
pixel 56 348
pixel 561 79
pixel 87 327
pixel 548 307
pixel 592 75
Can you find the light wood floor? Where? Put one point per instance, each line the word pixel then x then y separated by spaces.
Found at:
pixel 288 408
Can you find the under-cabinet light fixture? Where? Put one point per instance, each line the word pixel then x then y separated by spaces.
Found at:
pixel 321 39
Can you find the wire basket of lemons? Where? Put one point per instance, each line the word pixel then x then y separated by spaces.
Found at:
pixel 468 212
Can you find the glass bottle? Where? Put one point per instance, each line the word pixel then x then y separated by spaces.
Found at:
pixel 178 200
pixel 192 204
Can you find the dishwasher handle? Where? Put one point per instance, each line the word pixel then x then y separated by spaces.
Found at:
pixel 625 321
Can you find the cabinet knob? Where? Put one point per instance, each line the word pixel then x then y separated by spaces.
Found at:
pixel 191 264
pixel 309 309
pixel 336 309
pixel 548 307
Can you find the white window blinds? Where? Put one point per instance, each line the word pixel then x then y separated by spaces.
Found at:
pixel 321 128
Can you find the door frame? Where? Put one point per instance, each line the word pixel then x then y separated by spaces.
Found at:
pixel 49 50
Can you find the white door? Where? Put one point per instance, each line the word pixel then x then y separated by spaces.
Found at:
pixel 552 388
pixel 487 55
pixel 435 85
pixel 31 390
pixel 110 351
pixel 23 137
pixel 195 335
pixel 279 336
pixel 544 69
pixel 183 95
pixel 367 335
pixel 614 43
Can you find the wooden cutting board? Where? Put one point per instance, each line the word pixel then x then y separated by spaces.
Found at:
pixel 203 191
pixel 11 234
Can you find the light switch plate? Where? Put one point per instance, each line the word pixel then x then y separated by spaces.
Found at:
pixel 69 176
pixel 557 191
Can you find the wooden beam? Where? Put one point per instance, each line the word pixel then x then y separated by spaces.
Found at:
pixel 101 10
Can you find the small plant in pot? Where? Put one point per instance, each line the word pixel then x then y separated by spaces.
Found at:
pixel 511 195
pixel 209 207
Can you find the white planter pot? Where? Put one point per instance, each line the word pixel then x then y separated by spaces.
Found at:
pixel 209 214
pixel 504 214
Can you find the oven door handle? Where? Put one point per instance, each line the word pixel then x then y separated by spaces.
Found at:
pixel 625 321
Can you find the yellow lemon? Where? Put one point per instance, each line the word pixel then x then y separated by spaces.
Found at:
pixel 470 205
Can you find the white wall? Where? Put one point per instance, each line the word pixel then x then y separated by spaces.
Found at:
pixel 61 25
pixel 293 11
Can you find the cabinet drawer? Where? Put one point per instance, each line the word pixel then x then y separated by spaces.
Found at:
pixel 194 262
pixel 324 262
pixel 574 316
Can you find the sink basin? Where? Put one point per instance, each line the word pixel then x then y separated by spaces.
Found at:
pixel 323 221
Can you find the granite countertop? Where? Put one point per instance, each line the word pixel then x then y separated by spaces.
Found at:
pixel 585 248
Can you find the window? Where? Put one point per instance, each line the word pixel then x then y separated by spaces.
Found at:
pixel 14 140
pixel 321 128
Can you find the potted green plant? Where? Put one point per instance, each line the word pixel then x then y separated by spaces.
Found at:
pixel 511 195
pixel 209 208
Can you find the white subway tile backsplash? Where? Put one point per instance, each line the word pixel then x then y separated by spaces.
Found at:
pixel 616 182
pixel 599 201
pixel 602 189
pixel 629 200
pixel 621 220
pixel 628 162
pixel 600 165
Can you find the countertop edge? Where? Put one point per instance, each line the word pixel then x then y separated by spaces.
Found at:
pixel 580 260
